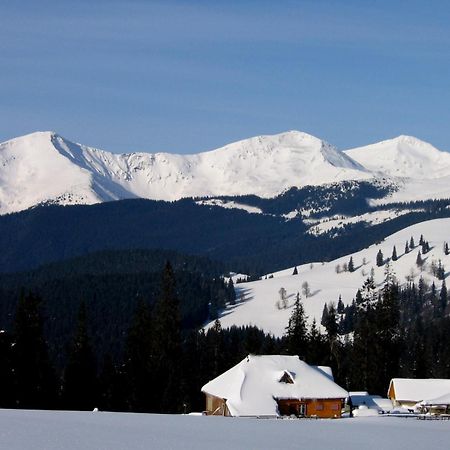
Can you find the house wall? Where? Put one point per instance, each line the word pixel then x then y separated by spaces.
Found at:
pixel 216 406
pixel 323 408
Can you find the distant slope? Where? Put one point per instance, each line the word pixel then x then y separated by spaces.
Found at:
pixel 45 167
pixel 258 299
pixel 421 171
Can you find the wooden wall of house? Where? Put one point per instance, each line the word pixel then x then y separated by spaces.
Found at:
pixel 323 408
pixel 216 406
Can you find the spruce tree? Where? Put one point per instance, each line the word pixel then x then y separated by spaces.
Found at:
pixel 419 260
pixel 446 248
pixel 443 299
pixel 412 243
pixel 80 388
pixel 295 272
pixel 138 366
pixel 380 258
pixel 167 344
pixel 406 248
pixel 296 331
pixel 351 265
pixel 34 375
pixel 394 254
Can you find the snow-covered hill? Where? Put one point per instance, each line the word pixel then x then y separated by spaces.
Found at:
pixel 421 171
pixel 44 167
pixel 257 301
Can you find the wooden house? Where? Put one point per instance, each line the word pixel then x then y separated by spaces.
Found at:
pixel 407 392
pixel 274 385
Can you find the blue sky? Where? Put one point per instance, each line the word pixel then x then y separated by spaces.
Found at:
pixel 187 76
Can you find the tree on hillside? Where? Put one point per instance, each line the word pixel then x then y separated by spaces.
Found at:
pixel 419 260
pixel 139 360
pixel 167 343
pixel 380 258
pixel 446 249
pixel 295 272
pixel 406 248
pixel 394 254
pixel 306 290
pixel 412 243
pixel 79 390
pixel 296 331
pixel 351 265
pixel 34 375
pixel 443 296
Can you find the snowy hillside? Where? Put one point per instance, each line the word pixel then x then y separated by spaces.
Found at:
pixel 62 430
pixel 44 167
pixel 257 301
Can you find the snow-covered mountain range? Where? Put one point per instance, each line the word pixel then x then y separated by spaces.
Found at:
pixel 328 281
pixel 45 167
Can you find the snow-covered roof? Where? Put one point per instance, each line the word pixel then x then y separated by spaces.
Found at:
pixel 416 390
pixel 442 400
pixel 252 386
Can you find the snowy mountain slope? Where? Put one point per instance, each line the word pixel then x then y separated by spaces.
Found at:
pixel 43 167
pixel 257 300
pixel 403 156
pixel 421 171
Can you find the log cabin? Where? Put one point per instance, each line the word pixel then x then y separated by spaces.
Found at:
pixel 274 386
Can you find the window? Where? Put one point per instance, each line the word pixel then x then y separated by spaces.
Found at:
pixel 287 377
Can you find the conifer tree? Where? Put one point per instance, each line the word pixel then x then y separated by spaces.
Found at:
pixel 412 243
pixel 443 296
pixel 80 375
pixel 421 241
pixel 406 248
pixel 139 360
pixel 380 258
pixel 419 260
pixel 296 331
pixel 446 249
pixel 351 265
pixel 295 272
pixel 394 254
pixel 34 375
pixel 7 398
pixel 167 343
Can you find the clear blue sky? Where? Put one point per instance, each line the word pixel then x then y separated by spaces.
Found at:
pixel 187 76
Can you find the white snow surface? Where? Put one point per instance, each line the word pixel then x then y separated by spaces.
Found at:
pixel 417 390
pixel 256 301
pixel 59 430
pixel 252 386
pixel 43 166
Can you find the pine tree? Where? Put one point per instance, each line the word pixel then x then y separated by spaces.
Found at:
pixel 6 371
pixel 419 260
pixel 443 296
pixel 421 241
pixel 380 258
pixel 295 272
pixel 446 249
pixel 324 318
pixel 34 375
pixel 316 350
pixel 138 366
pixel 406 248
pixel 394 254
pixel 296 331
pixel 440 271
pixel 80 388
pixel 351 265
pixel 167 343
pixel 340 306
pixel 412 243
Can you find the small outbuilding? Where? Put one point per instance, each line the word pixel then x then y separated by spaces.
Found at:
pixel 407 392
pixel 274 385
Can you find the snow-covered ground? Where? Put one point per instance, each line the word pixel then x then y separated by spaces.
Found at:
pixel 257 301
pixel 51 430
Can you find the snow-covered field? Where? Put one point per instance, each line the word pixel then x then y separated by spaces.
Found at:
pixel 327 282
pixel 52 430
